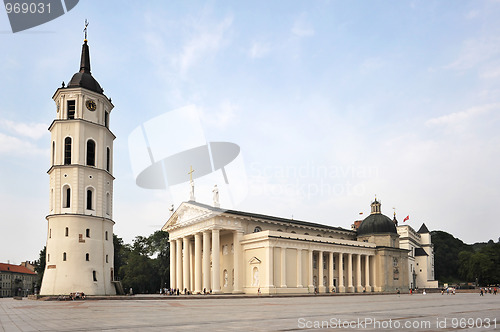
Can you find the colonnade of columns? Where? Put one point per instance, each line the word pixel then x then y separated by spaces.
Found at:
pixel 348 265
pixel 204 276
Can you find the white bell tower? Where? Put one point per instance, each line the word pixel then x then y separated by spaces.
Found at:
pixel 80 222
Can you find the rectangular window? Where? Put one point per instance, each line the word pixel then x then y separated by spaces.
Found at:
pixel 71 109
pixel 106 258
pixel 94 275
pixel 106 119
pixel 87 232
pixel 66 233
pixel 108 158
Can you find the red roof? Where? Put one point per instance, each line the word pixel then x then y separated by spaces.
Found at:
pixel 15 268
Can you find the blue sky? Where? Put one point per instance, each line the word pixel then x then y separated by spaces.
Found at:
pixel 331 103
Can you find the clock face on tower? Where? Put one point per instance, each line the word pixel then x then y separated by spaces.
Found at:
pixel 91 105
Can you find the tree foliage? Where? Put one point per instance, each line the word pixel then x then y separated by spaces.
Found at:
pixel 446 260
pixel 144 265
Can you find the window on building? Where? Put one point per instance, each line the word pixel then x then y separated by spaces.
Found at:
pixel 94 275
pixel 48 257
pixel 279 230
pixel 50 233
pixel 87 257
pixel 257 229
pixel 108 204
pixel 67 151
pixel 64 256
pixel 106 119
pixel 53 153
pixel 108 159
pixel 87 232
pixel 89 199
pixel 71 109
pixel 67 196
pixel 106 235
pixel 90 153
pixel 306 233
pixel 106 258
pixel 66 231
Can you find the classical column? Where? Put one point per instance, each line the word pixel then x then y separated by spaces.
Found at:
pixel 321 287
pixel 299 268
pixel 270 268
pixel 185 263
pixel 237 258
pixel 216 261
pixel 330 271
pixel 367 274
pixel 359 287
pixel 283 267
pixel 206 261
pixel 341 287
pixel 350 287
pixel 310 270
pixel 178 265
pixel 197 263
pixel 173 254
pixel 373 272
pixel 191 265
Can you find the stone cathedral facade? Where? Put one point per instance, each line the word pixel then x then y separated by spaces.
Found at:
pixel 80 221
pixel 228 251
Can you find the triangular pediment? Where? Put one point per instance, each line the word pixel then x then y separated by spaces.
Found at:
pixel 254 260
pixel 186 214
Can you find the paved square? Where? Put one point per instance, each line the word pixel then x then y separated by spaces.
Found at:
pixel 390 312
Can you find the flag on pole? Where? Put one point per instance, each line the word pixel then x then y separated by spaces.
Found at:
pixel 407 217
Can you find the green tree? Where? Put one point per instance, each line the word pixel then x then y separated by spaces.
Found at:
pixel 446 256
pixel 40 266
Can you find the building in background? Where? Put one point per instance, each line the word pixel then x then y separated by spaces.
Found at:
pixel 16 280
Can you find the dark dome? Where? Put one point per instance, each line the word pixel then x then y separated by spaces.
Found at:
pixel 85 80
pixel 376 223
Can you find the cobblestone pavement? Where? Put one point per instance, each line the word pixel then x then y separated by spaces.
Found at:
pixel 431 312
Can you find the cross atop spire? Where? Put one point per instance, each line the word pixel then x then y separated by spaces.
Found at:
pixel 85 30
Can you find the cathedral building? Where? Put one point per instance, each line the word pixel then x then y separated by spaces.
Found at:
pixel 228 251
pixel 80 222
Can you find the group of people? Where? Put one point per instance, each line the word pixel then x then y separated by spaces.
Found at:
pixel 177 291
pixel 487 290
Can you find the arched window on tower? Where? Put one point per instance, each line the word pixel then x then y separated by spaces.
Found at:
pixel 106 119
pixel 66 196
pixel 66 231
pixel 67 151
pixel 108 159
pixel 53 153
pixel 90 195
pixel 87 257
pixel 108 204
pixel 257 229
pixel 90 153
pixel 64 256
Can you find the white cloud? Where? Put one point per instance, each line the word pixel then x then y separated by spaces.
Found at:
pixel 461 116
pixel 302 28
pixel 476 52
pixel 224 116
pixel 207 40
pixel 259 50
pixel 472 14
pixel 14 145
pixel 32 130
